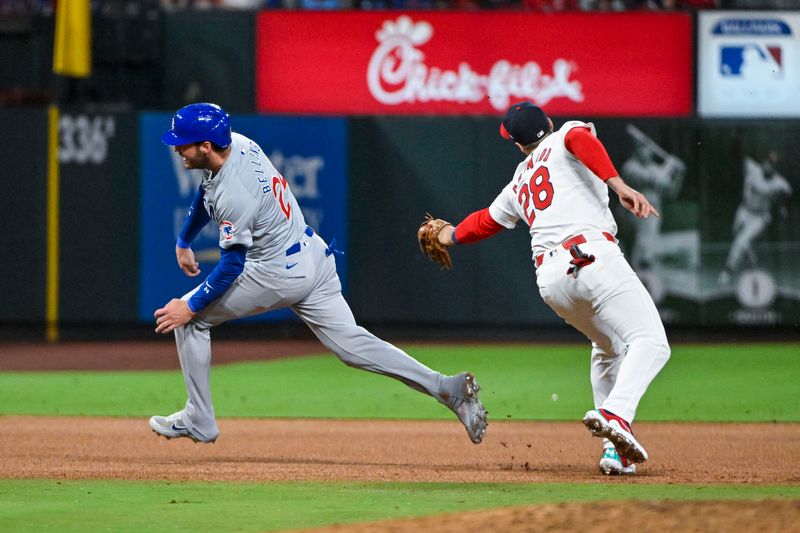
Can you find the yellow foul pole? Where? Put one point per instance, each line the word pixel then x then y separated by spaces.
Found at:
pixel 53 191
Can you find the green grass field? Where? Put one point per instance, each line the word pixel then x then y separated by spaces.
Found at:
pixel 161 506
pixel 701 383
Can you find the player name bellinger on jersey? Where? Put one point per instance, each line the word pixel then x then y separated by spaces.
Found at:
pixel 256 208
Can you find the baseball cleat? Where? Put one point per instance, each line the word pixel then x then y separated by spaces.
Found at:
pixel 469 408
pixel 605 424
pixel 172 427
pixel 611 464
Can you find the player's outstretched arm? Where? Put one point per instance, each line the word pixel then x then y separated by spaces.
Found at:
pixel 476 227
pixel 631 199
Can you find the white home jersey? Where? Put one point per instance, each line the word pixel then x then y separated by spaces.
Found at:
pixel 252 204
pixel 555 194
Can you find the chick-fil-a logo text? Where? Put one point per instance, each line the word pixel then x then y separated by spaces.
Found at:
pixel 397 74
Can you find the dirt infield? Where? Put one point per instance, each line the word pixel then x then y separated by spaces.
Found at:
pixel 527 452
pixel 260 450
pixel 607 517
pixel 288 450
pixel 411 451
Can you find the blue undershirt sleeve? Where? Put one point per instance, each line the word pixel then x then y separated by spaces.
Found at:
pixel 231 264
pixel 195 220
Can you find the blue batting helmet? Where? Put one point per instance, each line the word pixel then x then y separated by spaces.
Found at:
pixel 197 123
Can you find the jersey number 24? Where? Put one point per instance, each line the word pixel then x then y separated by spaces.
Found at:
pixel 278 186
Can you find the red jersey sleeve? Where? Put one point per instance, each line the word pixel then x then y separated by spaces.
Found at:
pixel 477 226
pixel 590 151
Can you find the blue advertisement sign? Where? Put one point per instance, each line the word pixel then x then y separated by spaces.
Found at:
pixel 311 153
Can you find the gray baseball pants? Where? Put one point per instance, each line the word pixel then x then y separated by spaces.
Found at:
pixel 307 283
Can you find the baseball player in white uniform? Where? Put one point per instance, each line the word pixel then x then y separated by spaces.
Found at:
pixel 560 190
pixel 763 186
pixel 270 259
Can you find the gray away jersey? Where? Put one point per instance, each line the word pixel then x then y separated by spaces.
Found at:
pixel 251 203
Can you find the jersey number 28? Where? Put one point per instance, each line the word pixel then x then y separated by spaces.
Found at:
pixel 536 193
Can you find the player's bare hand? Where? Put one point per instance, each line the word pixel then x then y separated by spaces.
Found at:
pixel 638 204
pixel 446 235
pixel 631 199
pixel 173 315
pixel 432 243
pixel 187 261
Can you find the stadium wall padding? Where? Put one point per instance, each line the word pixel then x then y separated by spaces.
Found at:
pixel 99 216
pixel 399 168
pixel 403 167
pixel 24 251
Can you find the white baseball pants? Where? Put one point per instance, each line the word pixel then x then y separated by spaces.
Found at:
pixel 608 304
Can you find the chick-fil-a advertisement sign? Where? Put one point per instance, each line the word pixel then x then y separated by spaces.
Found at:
pixel 474 63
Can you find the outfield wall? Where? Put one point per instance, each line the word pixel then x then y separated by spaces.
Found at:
pixel 396 117
pixel 24 251
pixel 369 184
pixel 694 171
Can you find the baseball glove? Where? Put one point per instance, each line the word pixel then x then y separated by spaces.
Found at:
pixel 428 237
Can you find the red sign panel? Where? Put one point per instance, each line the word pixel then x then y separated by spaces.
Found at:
pixel 474 63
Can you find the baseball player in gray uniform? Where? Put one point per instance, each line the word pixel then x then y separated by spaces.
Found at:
pixel 658 175
pixel 763 187
pixel 269 259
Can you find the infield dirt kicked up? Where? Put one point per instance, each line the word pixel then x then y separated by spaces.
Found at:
pixel 422 451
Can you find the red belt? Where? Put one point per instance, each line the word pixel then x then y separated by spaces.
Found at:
pixel 572 241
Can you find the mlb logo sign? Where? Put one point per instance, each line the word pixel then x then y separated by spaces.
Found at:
pixel 748 64
pixel 751 61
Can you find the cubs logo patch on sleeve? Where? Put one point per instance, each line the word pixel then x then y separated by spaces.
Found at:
pixel 227 229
